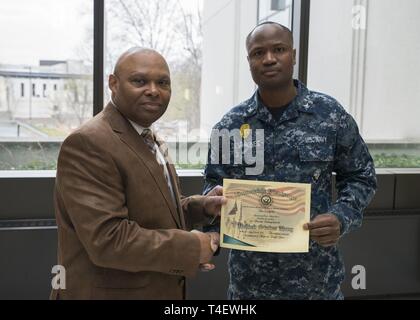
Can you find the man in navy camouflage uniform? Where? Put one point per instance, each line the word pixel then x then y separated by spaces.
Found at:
pixel 307 137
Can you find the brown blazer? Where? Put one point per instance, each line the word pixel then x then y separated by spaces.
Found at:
pixel 120 235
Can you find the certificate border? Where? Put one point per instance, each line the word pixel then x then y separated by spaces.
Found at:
pixel 300 249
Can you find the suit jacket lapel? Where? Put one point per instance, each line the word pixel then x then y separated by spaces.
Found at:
pixel 132 139
pixel 174 181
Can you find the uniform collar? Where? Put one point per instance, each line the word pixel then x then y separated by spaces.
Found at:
pixel 301 103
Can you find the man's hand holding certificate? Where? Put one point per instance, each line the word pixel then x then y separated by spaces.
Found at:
pixel 265 216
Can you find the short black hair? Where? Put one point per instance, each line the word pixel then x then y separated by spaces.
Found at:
pixel 289 32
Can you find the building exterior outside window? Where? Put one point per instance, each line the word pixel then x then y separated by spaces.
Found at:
pixel 34 119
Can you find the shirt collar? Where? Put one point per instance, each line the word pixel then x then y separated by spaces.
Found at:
pixel 138 127
pixel 135 125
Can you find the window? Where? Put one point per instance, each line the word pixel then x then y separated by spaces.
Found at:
pixel 204 44
pixel 202 40
pixel 32 129
pixel 369 62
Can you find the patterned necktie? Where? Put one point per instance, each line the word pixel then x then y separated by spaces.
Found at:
pixel 149 139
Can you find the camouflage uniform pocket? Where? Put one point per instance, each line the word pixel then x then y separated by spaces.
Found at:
pixel 316 152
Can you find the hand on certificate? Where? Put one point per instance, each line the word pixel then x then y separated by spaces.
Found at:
pixel 209 243
pixel 324 229
pixel 213 202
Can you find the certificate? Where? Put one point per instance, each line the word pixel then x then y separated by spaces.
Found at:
pixel 265 216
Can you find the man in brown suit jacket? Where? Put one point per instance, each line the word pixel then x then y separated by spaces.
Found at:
pixel 123 228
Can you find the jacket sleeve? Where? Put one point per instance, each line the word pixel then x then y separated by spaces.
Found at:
pixel 356 179
pixel 194 212
pixel 91 189
pixel 214 173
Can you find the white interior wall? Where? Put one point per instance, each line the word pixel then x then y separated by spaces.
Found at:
pixel 373 72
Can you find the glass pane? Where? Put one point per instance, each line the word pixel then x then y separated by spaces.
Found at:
pixel 276 10
pixel 371 66
pixel 45 78
pixel 174 29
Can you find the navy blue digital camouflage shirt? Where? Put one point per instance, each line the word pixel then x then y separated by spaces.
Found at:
pixel 313 138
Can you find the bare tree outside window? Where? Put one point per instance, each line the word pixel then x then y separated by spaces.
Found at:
pixel 173 28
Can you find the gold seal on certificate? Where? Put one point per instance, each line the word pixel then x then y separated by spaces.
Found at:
pixel 265 216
